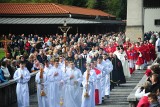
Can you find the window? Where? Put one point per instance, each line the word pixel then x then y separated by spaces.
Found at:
pixel 151 3
pixel 157 21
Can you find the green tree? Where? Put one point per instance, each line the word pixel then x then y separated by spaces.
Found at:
pixel 80 3
pixel 101 4
pixel 90 3
pixel 123 9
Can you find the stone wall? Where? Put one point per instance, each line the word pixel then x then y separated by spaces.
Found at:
pixel 134 32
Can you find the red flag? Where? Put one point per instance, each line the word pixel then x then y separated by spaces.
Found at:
pixel 97 71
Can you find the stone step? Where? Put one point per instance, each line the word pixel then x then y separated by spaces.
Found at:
pixel 113 98
pixel 121 90
pixel 113 95
pixel 112 105
pixel 129 84
pixel 119 93
pixel 117 100
pixel 116 103
pixel 132 81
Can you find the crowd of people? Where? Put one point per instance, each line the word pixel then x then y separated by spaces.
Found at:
pixel 68 65
pixel 149 92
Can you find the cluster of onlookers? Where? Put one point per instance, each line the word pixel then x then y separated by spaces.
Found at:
pixel 36 49
pixel 110 53
pixel 149 92
pixel 80 47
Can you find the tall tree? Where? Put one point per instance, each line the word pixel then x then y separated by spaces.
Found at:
pixel 80 3
pixel 90 3
pixel 123 9
pixel 101 4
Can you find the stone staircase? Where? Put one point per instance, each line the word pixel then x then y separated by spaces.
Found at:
pixel 118 95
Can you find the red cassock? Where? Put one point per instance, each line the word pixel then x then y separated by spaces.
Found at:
pixel 96 96
pixel 140 59
pixel 130 54
pixel 143 102
pixel 27 46
pixel 147 53
pixel 114 48
pixel 115 44
pixel 110 49
pixel 105 48
pixel 136 52
pixel 126 45
pixel 148 72
pixel 96 90
pixel 152 51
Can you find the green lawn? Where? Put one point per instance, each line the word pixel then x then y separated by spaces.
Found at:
pixel 2 53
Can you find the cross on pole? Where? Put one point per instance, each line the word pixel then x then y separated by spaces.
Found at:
pixel 64 29
pixel 5 41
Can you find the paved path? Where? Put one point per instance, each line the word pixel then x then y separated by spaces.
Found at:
pixel 118 96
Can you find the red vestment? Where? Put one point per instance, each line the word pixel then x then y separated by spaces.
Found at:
pixel 96 90
pixel 147 53
pixel 143 102
pixel 148 72
pixel 126 45
pixel 96 96
pixel 140 59
pixel 152 51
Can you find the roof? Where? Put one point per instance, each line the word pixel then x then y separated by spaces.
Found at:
pixel 28 8
pixel 47 9
pixel 55 21
pixel 85 11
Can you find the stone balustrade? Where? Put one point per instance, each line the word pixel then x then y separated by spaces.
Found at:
pixel 132 98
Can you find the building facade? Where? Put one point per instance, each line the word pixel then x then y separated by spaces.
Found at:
pixel 44 18
pixel 142 16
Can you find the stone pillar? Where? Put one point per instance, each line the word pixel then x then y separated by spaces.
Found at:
pixel 134 28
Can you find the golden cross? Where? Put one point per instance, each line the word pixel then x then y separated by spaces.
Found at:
pixel 5 41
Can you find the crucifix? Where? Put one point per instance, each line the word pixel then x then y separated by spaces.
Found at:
pixel 5 41
pixel 64 29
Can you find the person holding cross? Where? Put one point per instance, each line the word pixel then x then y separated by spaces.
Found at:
pixel 72 89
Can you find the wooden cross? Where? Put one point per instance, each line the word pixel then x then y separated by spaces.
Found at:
pixel 5 41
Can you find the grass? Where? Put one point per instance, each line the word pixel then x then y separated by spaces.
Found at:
pixel 2 53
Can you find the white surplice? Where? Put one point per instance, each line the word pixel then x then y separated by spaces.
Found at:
pixel 55 84
pixel 102 79
pixel 22 90
pixel 123 58
pixel 42 85
pixel 109 68
pixel 73 90
pixel 89 101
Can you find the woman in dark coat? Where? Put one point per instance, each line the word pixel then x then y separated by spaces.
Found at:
pixel 117 75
